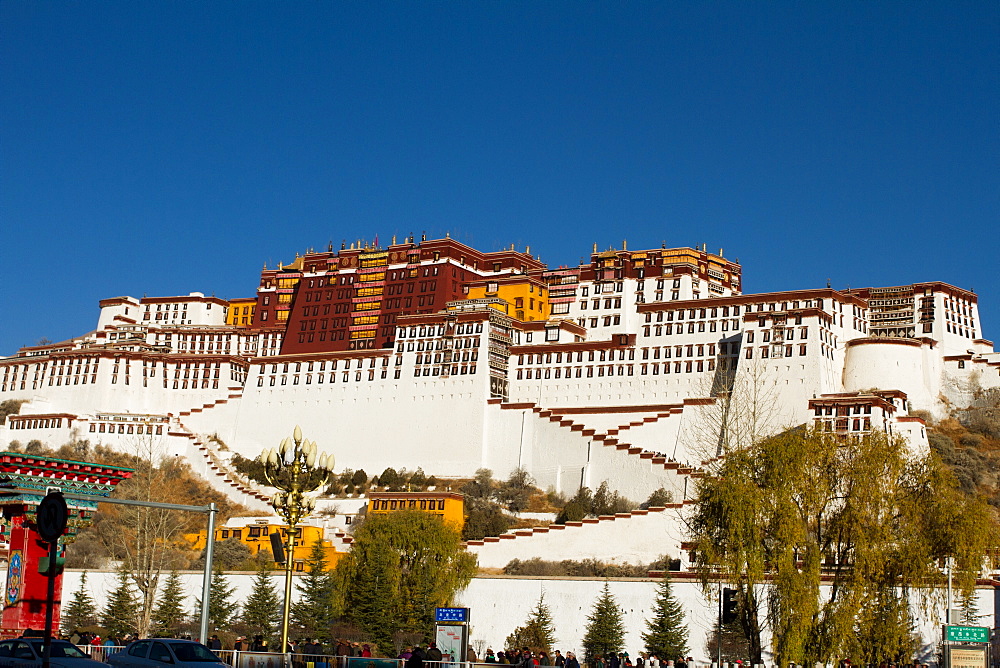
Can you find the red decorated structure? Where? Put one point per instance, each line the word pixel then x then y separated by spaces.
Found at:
pixel 24 481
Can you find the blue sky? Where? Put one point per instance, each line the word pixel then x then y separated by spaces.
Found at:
pixel 166 147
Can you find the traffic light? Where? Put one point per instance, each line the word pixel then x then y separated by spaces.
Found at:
pixel 729 603
pixel 43 566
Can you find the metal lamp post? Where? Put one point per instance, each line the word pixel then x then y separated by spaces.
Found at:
pixel 295 468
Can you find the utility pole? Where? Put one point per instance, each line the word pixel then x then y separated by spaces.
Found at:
pixel 718 637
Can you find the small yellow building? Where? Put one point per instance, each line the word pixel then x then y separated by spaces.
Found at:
pixel 240 313
pixel 527 298
pixel 450 506
pixel 256 535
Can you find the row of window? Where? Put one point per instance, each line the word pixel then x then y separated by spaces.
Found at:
pixel 440 344
pixel 857 409
pixel 592 356
pixel 596 303
pixel 102 428
pixel 464 356
pixel 37 423
pixel 323 365
pixel 408 504
pixel 690 366
pixel 780 334
pixel 779 351
pixel 456 370
pixel 692 350
pixel 321 378
pixel 692 327
pixel 608 321
pixel 844 424
pixel 438 330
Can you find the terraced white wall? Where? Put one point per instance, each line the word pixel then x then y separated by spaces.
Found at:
pixel 639 537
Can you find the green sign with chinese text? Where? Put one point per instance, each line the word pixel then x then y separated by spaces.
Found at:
pixel 967 633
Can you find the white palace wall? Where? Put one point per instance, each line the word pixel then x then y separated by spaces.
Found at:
pixel 433 423
pixel 499 604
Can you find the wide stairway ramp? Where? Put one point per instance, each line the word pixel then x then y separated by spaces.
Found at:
pixel 206 459
pixel 639 536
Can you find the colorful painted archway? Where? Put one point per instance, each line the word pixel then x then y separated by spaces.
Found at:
pixel 24 482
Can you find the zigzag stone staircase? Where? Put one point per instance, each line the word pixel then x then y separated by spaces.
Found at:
pixel 608 438
pixel 639 536
pixel 217 473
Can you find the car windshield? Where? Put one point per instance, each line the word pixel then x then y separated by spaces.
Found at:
pixel 193 652
pixel 60 650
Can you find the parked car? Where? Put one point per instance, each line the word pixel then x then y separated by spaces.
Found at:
pixel 158 652
pixel 27 653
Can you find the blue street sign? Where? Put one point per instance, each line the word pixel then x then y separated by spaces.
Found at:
pixel 451 615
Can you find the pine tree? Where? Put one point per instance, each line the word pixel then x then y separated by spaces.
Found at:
pixel 537 632
pixel 262 610
pixel 312 614
pixel 668 635
pixel 169 612
pixel 401 566
pixel 81 611
pixel 221 606
pixel 119 617
pixel 605 627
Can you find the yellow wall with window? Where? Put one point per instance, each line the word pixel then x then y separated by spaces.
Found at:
pixel 450 506
pixel 258 537
pixel 240 312
pixel 527 299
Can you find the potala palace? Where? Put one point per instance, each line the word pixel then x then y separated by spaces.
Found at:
pixel 433 354
pixel 436 355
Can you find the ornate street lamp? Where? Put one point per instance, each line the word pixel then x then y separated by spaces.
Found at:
pixel 295 468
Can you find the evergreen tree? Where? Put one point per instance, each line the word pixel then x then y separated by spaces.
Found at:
pixel 668 635
pixel 537 632
pixel 221 606
pixel 81 611
pixel 262 610
pixel 169 612
pixel 312 614
pixel 119 617
pixel 605 627
pixel 400 567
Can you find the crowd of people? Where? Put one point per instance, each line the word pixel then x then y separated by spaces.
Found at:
pixel 312 653
pixel 525 658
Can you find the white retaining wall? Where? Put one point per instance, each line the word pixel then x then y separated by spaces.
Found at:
pixel 499 604
pixel 636 539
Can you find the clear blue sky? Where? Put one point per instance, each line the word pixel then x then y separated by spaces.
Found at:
pixel 166 147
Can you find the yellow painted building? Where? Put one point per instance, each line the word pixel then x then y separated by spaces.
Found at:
pixel 450 506
pixel 526 298
pixel 257 537
pixel 240 312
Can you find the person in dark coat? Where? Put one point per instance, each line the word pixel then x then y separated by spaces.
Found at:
pixel 416 659
pixel 571 661
pixel 433 653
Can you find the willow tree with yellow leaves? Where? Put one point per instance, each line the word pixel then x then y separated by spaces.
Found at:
pixel 863 513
